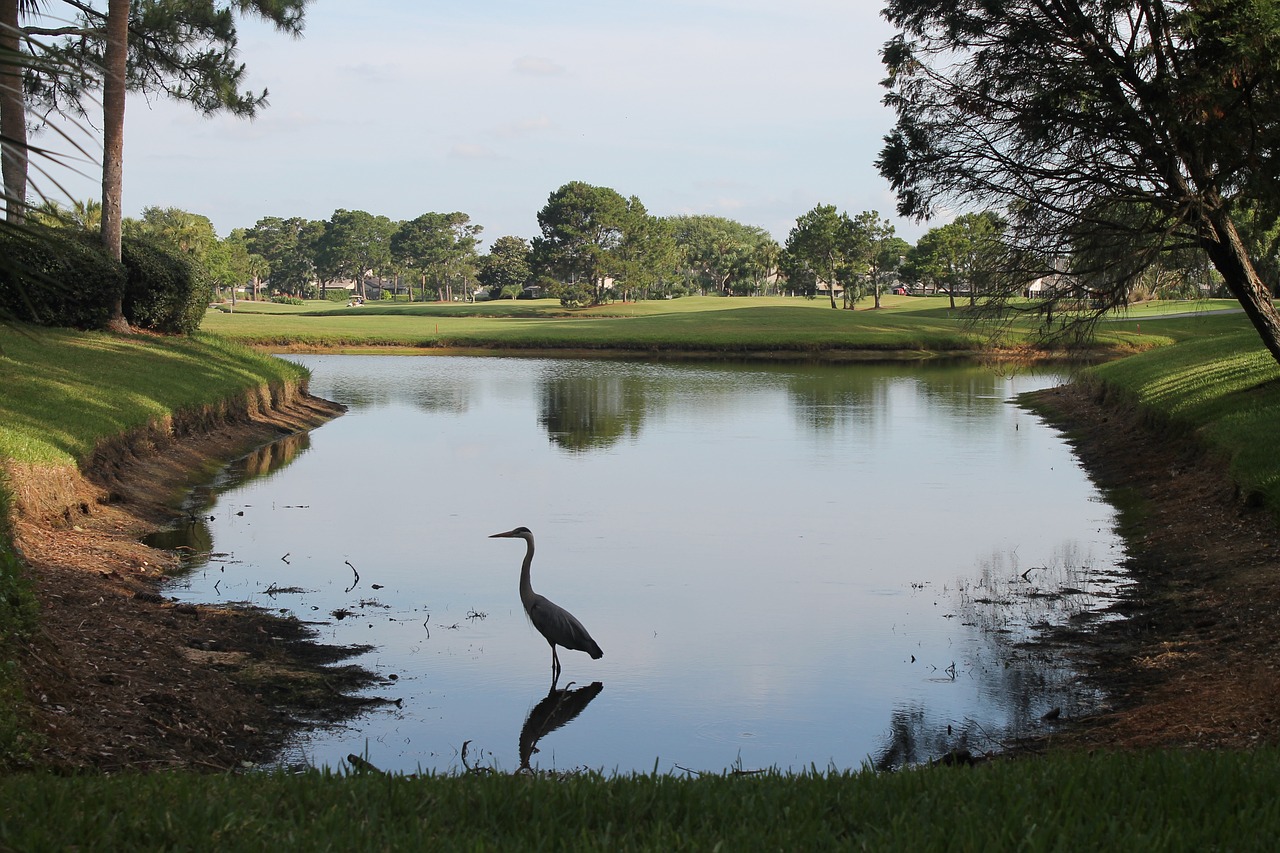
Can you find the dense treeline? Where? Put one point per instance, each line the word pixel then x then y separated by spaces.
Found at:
pixel 594 246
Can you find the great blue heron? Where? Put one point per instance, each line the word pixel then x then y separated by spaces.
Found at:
pixel 553 622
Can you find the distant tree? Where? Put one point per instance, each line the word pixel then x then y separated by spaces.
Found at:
pixel 189 233
pixel 820 248
pixel 873 246
pixel 1108 134
pixel 723 255
pixel 289 248
pixel 505 270
pixel 583 227
pixel 762 265
pixel 85 215
pixel 229 263
pixel 355 244
pixel 647 254
pixel 961 256
pixel 441 247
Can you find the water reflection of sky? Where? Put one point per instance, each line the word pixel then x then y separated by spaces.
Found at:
pixel 785 566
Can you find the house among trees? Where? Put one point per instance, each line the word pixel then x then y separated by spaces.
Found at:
pixel 1046 286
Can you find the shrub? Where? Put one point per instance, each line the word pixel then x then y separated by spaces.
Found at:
pixel 576 295
pixel 57 277
pixel 165 291
pixel 288 300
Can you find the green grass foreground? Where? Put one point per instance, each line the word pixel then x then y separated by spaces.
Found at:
pixel 1153 801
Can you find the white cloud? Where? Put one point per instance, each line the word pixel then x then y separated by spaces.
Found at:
pixel 538 66
pixel 524 127
pixel 472 151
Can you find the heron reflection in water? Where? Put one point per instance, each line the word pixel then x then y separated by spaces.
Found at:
pixel 558 708
pixel 558 626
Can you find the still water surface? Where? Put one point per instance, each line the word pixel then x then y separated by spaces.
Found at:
pixel 786 566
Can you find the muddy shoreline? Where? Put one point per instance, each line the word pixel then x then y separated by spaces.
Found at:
pixel 118 677
pixel 1195 662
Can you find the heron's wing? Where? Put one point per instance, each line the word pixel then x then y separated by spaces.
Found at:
pixel 561 628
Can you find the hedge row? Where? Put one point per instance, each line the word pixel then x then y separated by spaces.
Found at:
pixel 62 277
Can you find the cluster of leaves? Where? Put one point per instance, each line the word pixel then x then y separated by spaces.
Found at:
pixel 719 255
pixel 1115 138
pixel 54 277
pixel 596 244
pixel 831 250
pixel 183 49
pixel 165 292
pixel 63 277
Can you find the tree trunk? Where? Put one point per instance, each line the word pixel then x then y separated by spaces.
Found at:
pixel 13 118
pixel 116 61
pixel 1231 258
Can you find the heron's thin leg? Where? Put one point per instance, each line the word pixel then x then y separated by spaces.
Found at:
pixel 555 665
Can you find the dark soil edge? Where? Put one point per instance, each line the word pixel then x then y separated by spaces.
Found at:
pixel 119 678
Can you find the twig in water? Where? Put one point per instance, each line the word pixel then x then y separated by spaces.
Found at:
pixel 357 574
pixel 687 770
pixel 285 558
pixel 468 767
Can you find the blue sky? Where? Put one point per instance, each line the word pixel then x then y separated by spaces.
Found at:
pixel 752 109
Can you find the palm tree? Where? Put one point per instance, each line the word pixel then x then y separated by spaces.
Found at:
pixel 13 113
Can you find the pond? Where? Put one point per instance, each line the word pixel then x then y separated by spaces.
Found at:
pixel 786 566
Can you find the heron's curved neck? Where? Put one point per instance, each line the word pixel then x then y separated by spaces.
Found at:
pixel 526 587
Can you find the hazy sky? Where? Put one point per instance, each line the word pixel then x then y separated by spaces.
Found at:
pixel 752 109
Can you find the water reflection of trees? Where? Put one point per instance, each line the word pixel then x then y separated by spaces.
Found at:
pixel 430 392
pixel 271 458
pixel 863 395
pixel 826 400
pixel 971 393
pixel 1014 613
pixel 591 412
pixel 557 709
pixel 190 533
pixel 586 411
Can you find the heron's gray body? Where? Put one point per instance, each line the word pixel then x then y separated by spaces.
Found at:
pixel 558 626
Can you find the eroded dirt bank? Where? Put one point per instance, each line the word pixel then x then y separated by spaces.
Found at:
pixel 1196 663
pixel 118 676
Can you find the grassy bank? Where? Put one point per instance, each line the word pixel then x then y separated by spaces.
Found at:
pixel 1222 387
pixel 922 326
pixel 63 393
pixel 1157 801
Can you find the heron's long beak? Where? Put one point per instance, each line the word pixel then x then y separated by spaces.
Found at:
pixel 508 535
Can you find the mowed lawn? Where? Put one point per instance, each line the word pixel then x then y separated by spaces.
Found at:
pixel 718 324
